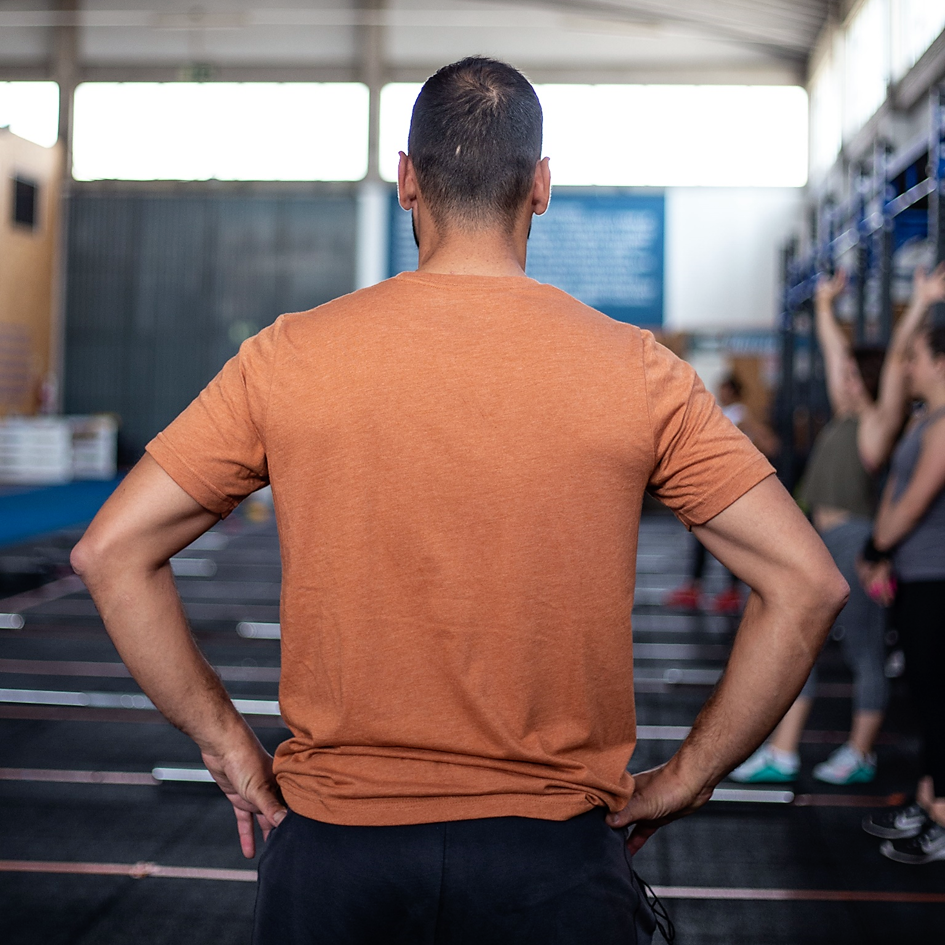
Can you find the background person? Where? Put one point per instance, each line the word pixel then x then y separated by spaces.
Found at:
pixel 869 398
pixel 910 529
pixel 729 600
pixel 458 458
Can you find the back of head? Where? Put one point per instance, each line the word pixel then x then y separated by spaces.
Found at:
pixel 475 138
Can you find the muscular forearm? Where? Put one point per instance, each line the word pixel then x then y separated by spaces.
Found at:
pixel 797 592
pixel 143 615
pixel 776 645
pixel 124 560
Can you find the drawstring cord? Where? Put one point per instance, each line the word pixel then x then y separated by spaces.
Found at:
pixel 660 914
pixel 663 922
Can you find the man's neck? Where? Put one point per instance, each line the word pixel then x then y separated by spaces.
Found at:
pixel 474 253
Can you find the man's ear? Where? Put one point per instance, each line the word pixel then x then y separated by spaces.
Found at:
pixel 541 188
pixel 407 190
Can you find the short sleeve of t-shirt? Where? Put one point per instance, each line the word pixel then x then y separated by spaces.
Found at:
pixel 215 450
pixel 702 461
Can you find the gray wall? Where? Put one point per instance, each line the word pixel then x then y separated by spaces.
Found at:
pixel 163 287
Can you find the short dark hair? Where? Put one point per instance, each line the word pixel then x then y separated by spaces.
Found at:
pixel 869 362
pixel 475 138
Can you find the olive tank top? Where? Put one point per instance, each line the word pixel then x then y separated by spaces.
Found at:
pixel 835 476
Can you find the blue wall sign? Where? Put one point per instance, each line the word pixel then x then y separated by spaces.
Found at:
pixel 606 249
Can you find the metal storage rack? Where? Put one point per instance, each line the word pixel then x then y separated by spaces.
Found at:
pixel 892 199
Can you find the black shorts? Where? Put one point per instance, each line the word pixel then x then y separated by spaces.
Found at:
pixel 496 881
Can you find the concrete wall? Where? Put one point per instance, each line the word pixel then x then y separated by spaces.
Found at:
pixel 28 331
pixel 723 255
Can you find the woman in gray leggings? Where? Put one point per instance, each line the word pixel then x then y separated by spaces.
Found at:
pixel 868 396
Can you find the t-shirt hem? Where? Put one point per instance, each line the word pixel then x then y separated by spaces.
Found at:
pixel 742 480
pixel 391 812
pixel 188 478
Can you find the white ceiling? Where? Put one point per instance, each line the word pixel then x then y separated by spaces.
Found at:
pixel 571 40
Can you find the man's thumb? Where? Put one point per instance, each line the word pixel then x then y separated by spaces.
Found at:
pixel 270 804
pixel 634 811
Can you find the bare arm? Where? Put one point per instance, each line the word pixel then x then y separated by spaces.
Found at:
pixel 897 518
pixel 881 423
pixel 833 342
pixel 796 592
pixel 124 559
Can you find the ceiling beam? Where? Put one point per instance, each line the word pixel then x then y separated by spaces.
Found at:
pixel 682 73
pixel 630 12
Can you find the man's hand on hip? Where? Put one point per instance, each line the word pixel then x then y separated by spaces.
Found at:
pixel 124 559
pixel 243 771
pixel 659 797
pixel 796 592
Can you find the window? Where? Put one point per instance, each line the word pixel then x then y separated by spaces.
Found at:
pixel 826 107
pixel 652 135
pixel 915 24
pixel 31 110
pixel 866 65
pixel 25 194
pixel 220 130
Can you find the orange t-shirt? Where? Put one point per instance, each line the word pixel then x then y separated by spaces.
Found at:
pixel 458 465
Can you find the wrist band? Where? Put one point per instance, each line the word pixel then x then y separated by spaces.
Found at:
pixel 872 554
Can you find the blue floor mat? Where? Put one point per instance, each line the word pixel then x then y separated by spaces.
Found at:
pixel 27 511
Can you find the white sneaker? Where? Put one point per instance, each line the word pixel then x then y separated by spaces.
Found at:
pixel 847 766
pixel 768 766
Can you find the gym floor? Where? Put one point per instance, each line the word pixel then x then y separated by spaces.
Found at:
pixel 104 840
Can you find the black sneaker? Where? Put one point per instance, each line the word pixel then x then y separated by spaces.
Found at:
pixel 927 846
pixel 896 823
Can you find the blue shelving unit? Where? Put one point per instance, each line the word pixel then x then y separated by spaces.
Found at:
pixel 892 199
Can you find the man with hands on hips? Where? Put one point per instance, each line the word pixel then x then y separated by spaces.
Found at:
pixel 458 458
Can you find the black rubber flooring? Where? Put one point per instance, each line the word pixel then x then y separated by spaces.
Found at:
pixel 160 861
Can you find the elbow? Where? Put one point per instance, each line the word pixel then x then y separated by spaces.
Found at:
pixel 840 593
pixel 815 594
pixel 830 593
pixel 84 558
pixel 90 557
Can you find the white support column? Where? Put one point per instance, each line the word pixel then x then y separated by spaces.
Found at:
pixel 372 72
pixel 373 197
pixel 65 70
pixel 373 224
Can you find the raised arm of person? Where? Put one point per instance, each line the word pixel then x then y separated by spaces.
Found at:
pixel 834 345
pixel 124 559
pixel 897 517
pixel 796 592
pixel 881 423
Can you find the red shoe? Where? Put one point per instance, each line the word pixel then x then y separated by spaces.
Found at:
pixel 728 603
pixel 686 597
